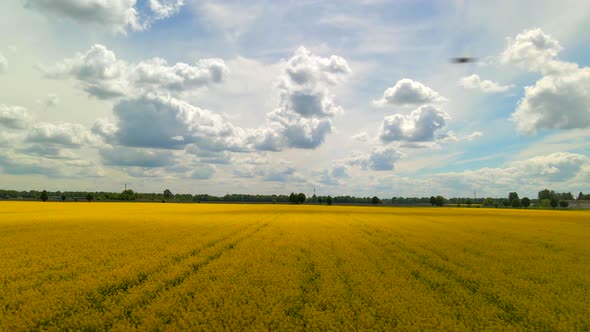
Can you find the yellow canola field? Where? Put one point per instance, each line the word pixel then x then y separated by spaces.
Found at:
pixel 154 266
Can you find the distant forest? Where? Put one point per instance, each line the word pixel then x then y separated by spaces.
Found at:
pixel 545 198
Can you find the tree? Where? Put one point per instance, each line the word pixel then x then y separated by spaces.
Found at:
pixel 546 194
pixel 63 197
pixel 432 200
pixel 320 201
pixel 127 195
pixel 314 198
pixel 168 194
pixel 293 198
pixel 90 197
pixel 300 198
pixel 526 202
pixel 375 200
pixel 564 204
pixel 329 200
pixel 468 202
pixel 512 196
pixel 516 203
pixel 554 202
pixel 44 196
pixel 439 200
pixel 506 202
pixel 489 202
pixel 580 196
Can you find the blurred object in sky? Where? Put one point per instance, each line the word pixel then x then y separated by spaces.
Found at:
pixel 463 60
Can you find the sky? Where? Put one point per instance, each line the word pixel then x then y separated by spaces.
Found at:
pixel 347 97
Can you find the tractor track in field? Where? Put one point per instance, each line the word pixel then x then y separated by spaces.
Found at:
pixel 102 294
pixel 509 312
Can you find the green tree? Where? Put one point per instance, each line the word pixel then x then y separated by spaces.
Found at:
pixel 63 197
pixel 439 200
pixel 314 199
pixel 168 194
pixel 293 198
pixel 432 200
pixel 489 202
pixel 375 200
pixel 301 198
pixel 526 202
pixel 505 202
pixel 516 203
pixel 564 204
pixel 329 200
pixel 512 196
pixel 468 202
pixel 580 196
pixel 90 197
pixel 44 196
pixel 554 202
pixel 320 200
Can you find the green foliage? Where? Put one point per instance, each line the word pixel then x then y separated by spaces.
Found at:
pixel 432 200
pixel 526 202
pixel 375 200
pixel 468 202
pixel 439 200
pixel 63 197
pixel 564 204
pixel 44 196
pixel 329 200
pixel 554 202
pixel 300 198
pixel 168 194
pixel 512 196
pixel 90 197
pixel 516 203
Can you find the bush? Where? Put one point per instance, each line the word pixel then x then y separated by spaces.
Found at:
pixel 564 204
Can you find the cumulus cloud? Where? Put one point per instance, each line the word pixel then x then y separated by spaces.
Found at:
pixel 560 99
pixel 202 172
pixel 409 92
pixel 419 126
pixel 529 175
pixel 102 75
pixel 303 118
pixel 116 15
pixel 333 176
pixel 382 158
pixel 486 86
pixel 158 122
pixel 361 137
pixel 147 158
pixel 3 63
pixel 71 135
pixel 13 117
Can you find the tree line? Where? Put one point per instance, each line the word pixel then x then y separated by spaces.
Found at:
pixel 545 198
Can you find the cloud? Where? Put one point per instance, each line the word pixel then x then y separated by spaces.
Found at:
pixel 147 158
pixel 361 137
pixel 48 151
pixel 102 75
pixel 380 158
pixel 13 117
pixel 419 126
pixel 158 122
pixel 116 15
pixel 3 64
pixel 486 86
pixel 560 168
pixel 306 106
pixel 71 135
pixel 409 92
pixel 202 172
pixel 561 98
pixel 332 177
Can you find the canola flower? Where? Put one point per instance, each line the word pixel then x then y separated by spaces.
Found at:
pixel 149 266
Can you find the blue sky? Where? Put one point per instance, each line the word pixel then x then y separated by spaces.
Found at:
pixel 349 97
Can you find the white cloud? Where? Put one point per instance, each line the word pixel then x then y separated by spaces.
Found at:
pixel 486 86
pixel 165 8
pixel 382 158
pixel 560 99
pixel 116 15
pixel 202 172
pixel 64 134
pixel 50 101
pixel 102 75
pixel 13 117
pixel 361 137
pixel 419 126
pixel 303 118
pixel 147 158
pixel 409 92
pixel 157 122
pixel 3 63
